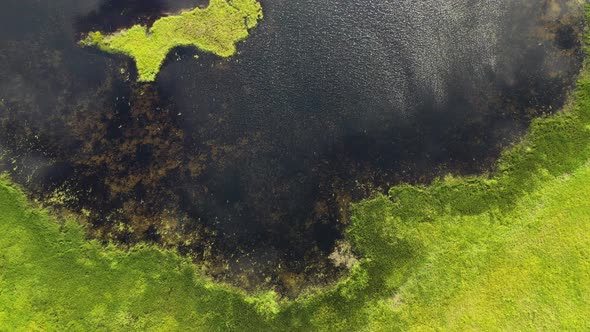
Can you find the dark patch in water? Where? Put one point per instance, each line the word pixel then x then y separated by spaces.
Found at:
pixel 113 15
pixel 567 38
pixel 249 165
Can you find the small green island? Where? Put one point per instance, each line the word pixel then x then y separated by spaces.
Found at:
pixel 215 29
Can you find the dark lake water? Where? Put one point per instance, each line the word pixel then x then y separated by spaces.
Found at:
pixel 249 164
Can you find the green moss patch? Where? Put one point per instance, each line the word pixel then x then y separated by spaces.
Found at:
pixel 215 29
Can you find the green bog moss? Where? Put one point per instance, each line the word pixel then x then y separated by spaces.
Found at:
pixel 215 29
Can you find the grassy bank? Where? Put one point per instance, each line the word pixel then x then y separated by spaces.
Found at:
pixel 215 29
pixel 506 252
pixel 528 270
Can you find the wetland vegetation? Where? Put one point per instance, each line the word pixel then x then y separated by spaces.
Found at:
pixel 248 165
pixel 216 29
pixel 489 247
pixel 502 252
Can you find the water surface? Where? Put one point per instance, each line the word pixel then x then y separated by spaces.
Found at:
pixel 249 164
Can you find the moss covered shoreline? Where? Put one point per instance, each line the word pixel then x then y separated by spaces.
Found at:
pixel 506 252
pixel 215 29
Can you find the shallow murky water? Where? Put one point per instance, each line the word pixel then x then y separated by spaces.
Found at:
pixel 249 164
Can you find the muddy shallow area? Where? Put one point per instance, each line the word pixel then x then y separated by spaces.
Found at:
pixel 249 164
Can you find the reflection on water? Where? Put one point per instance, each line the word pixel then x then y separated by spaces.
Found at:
pixel 249 164
pixel 112 15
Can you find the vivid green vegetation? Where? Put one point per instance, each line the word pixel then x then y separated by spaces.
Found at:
pixel 509 252
pixel 215 29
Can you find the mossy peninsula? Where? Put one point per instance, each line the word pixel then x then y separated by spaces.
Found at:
pixel 215 29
